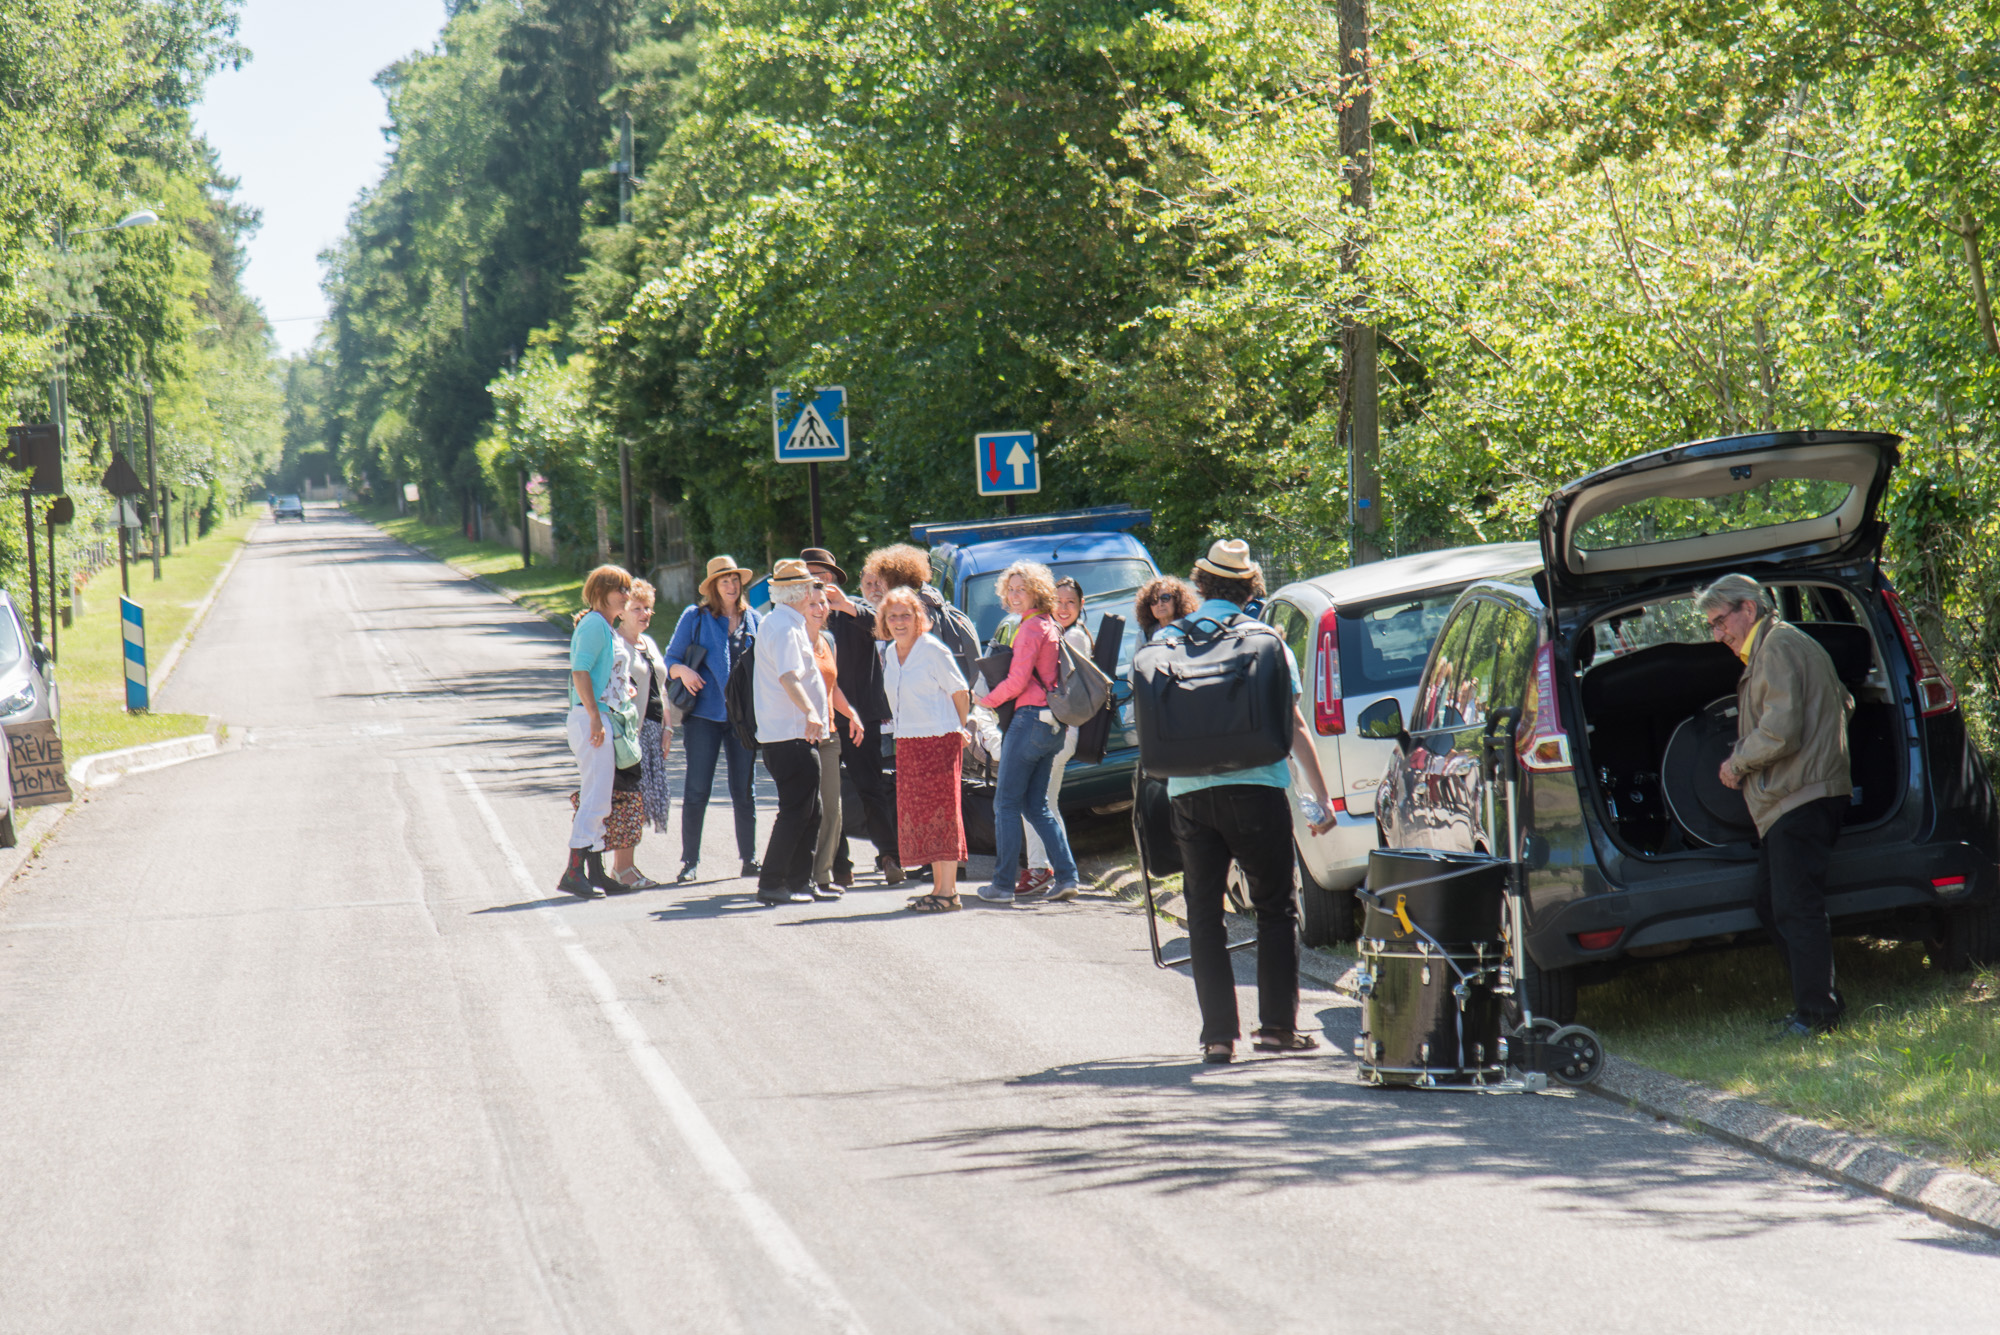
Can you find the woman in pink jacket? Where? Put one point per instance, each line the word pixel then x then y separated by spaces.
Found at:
pixel 1028 752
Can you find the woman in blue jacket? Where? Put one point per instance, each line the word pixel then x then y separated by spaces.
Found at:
pixel 721 625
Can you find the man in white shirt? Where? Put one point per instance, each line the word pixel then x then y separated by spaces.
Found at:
pixel 792 714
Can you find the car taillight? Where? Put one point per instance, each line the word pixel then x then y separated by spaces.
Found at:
pixel 1603 940
pixel 1329 711
pixel 1544 746
pixel 1935 693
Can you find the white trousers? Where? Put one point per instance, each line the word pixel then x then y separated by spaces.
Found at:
pixel 1038 856
pixel 596 765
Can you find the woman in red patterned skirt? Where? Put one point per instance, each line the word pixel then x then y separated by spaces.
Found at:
pixel 930 702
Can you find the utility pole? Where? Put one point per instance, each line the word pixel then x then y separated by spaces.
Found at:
pixel 1357 147
pixel 527 546
pixel 152 480
pixel 627 512
pixel 624 169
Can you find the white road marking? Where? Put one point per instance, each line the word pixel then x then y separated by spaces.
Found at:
pixel 784 1246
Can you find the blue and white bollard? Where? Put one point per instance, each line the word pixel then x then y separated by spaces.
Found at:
pixel 138 697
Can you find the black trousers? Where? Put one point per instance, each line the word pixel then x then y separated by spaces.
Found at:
pixel 1251 824
pixel 788 857
pixel 1791 902
pixel 863 760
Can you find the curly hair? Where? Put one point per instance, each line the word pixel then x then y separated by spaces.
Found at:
pixel 1184 602
pixel 1039 581
pixel 604 581
pixel 901 566
pixel 642 592
pixel 901 596
pixel 1238 591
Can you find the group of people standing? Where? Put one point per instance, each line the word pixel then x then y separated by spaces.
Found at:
pixel 829 674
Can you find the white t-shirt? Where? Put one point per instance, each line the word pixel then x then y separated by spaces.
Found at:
pixel 920 690
pixel 784 648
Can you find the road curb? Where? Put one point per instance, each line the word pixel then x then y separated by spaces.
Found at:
pixel 105 767
pixel 1950 1195
pixel 1945 1193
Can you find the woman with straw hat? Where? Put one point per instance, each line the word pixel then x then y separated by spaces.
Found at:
pixel 710 635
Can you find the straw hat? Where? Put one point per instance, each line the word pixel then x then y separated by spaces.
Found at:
pixel 790 574
pixel 1229 558
pixel 718 566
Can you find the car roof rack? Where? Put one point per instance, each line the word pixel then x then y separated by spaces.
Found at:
pixel 1097 519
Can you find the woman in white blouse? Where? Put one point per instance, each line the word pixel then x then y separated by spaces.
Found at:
pixel 930 702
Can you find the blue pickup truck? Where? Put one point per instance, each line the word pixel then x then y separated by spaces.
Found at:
pixel 1095 547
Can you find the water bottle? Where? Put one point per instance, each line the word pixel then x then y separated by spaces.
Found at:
pixel 1310 808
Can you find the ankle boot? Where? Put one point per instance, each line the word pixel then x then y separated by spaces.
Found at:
pixel 576 877
pixel 602 880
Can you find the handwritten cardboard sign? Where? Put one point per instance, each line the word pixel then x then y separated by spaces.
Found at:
pixel 35 764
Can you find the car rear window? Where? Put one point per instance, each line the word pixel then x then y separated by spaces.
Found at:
pixel 1776 500
pixel 1383 647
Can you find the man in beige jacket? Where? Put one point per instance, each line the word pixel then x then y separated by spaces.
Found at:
pixel 1791 764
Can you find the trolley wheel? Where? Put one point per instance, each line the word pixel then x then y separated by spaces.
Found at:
pixel 1576 1056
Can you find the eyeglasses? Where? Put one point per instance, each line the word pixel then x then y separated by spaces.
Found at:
pixel 1159 598
pixel 1715 622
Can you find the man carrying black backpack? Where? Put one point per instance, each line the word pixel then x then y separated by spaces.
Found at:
pixel 1224 811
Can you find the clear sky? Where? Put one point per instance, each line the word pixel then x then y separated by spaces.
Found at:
pixel 301 125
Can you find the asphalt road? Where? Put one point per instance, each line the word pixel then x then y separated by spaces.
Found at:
pixel 297 1038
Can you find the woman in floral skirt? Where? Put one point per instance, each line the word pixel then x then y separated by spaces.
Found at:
pixel 929 700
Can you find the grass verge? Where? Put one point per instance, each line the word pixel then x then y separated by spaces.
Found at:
pixel 91 670
pixel 553 591
pixel 1917 1061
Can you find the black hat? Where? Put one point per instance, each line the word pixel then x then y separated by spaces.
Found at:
pixel 820 556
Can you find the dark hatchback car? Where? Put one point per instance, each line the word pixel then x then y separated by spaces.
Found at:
pixel 1634 847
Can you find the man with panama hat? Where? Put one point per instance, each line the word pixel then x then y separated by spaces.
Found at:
pixel 856 657
pixel 793 713
pixel 1243 816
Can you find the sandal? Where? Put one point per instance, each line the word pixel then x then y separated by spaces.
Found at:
pixel 934 904
pixel 638 880
pixel 1283 1040
pixel 1218 1054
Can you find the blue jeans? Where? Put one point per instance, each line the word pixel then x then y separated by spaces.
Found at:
pixel 1027 754
pixel 705 740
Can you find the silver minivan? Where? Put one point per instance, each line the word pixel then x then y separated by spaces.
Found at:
pixel 1361 637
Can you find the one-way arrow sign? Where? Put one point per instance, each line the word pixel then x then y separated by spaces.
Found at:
pixel 1007 462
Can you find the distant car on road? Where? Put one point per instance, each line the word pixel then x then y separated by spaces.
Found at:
pixel 288 507
pixel 1361 637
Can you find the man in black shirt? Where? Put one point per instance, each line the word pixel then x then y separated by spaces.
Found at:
pixel 859 663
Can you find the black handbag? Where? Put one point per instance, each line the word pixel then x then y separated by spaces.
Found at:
pixel 678 695
pixel 994 667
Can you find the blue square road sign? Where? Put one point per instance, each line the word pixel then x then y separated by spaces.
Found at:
pixel 1007 462
pixel 815 433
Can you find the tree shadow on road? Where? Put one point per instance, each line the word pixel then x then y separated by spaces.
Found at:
pixel 1273 1124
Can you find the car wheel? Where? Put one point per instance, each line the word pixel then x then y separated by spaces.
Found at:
pixel 1969 938
pixel 1550 994
pixel 1326 917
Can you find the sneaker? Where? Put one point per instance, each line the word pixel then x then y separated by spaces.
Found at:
pixel 892 871
pixel 689 870
pixel 827 891
pixel 1064 891
pixel 751 867
pixel 1033 894
pixel 1031 877
pixel 996 893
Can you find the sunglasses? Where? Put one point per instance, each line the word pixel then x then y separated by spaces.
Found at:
pixel 1163 598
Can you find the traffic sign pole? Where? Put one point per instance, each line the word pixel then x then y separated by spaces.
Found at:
pixel 812 486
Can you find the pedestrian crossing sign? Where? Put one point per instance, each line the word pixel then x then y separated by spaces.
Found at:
pixel 813 434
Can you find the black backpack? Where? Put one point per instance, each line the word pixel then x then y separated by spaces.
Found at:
pixel 739 695
pixel 1212 697
pixel 955 628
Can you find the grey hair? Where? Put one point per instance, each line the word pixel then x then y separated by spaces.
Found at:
pixel 1731 590
pixel 791 595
